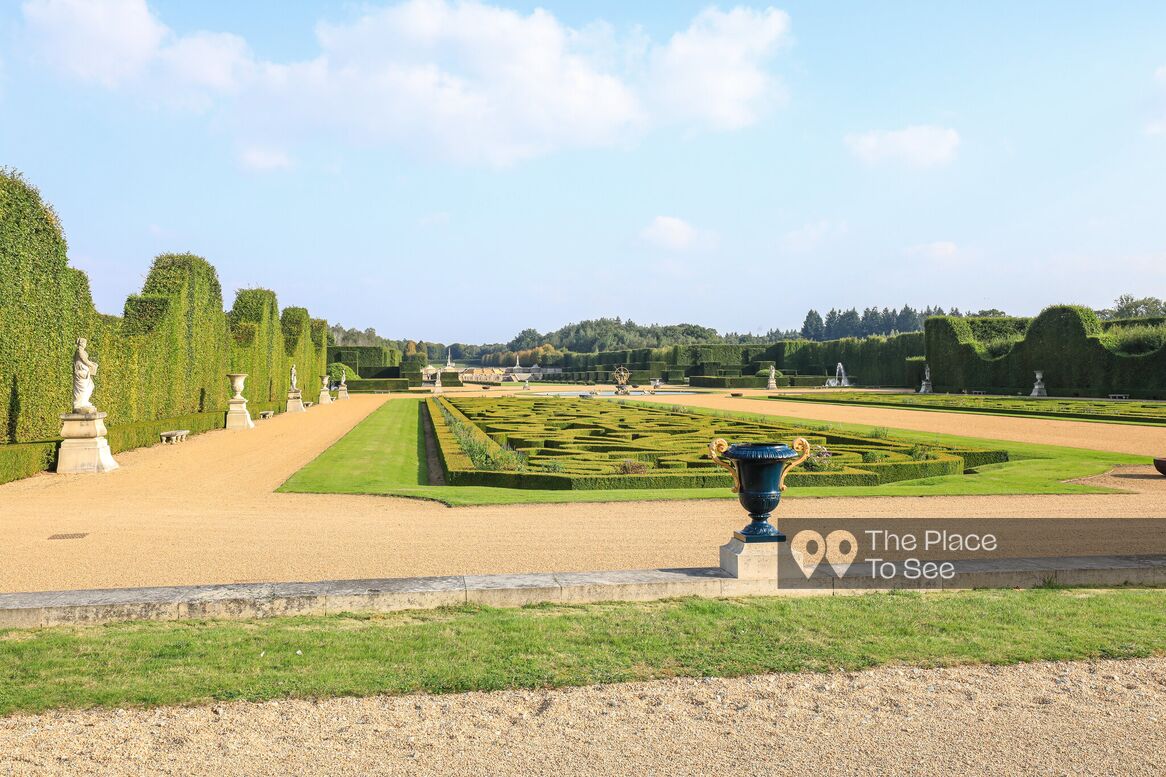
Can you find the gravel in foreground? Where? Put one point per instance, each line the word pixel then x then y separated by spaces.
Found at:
pixel 1103 717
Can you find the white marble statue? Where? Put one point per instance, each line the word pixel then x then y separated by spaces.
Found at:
pixel 84 369
pixel 344 378
pixel 294 379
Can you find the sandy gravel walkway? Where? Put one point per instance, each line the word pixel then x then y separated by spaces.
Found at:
pixel 205 512
pixel 1124 438
pixel 1105 717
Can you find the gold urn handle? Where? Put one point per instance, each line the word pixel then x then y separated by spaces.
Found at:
pixel 716 448
pixel 802 446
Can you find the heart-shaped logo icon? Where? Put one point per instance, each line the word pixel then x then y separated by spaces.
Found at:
pixel 799 549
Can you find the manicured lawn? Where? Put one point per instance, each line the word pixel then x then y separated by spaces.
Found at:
pixel 470 648
pixel 385 455
pixel 1101 410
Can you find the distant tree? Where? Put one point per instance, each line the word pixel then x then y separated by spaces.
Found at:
pixel 813 328
pixel 989 313
pixel 410 348
pixel 908 320
pixel 850 324
pixel 526 339
pixel 1129 306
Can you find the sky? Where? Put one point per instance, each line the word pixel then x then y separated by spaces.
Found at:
pixel 459 171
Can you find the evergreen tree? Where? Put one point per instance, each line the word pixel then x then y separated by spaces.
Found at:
pixel 813 327
pixel 850 323
pixel 830 328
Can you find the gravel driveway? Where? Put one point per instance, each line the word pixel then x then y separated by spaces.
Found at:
pixel 1104 717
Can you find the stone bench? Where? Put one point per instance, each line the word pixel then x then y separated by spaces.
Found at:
pixel 174 436
pixel 1119 396
pixel 265 414
pixel 308 404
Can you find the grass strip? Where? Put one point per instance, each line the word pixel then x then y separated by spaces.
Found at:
pixel 478 648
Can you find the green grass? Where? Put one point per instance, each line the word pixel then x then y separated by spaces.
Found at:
pixel 473 648
pixel 1096 410
pixel 385 455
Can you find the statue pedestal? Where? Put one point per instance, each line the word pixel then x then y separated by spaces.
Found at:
pixel 925 387
pixel 237 415
pixel 1039 390
pixel 342 393
pixel 325 397
pixel 295 402
pixel 84 448
pixel 771 385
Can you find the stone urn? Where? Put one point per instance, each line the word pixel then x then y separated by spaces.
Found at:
pixel 237 380
pixel 759 470
pixel 238 417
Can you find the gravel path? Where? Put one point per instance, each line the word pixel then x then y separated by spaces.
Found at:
pixel 205 511
pixel 1105 717
pixel 1124 438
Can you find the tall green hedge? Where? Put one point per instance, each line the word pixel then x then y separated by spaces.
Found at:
pixel 874 361
pixel 1067 342
pixel 163 363
pixel 366 360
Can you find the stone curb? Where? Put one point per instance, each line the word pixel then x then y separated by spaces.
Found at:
pixel 237 601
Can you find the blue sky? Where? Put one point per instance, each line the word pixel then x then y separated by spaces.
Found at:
pixel 460 171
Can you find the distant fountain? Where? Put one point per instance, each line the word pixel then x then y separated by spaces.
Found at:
pixel 839 379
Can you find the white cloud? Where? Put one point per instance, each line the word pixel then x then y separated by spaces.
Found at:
pixel 671 233
pixel 809 236
pixel 462 80
pixel 712 72
pixel 107 42
pixel 264 159
pixel 940 249
pixel 921 145
pixel 1160 75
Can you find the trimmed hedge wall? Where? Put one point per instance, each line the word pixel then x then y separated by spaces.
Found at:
pixel 366 360
pixel 163 364
pixel 747 381
pixel 1066 342
pixel 377 384
pixel 875 361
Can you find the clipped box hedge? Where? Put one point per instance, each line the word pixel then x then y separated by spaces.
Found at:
pixel 590 444
pixel 377 385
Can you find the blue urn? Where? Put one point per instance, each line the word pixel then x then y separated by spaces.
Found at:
pixel 759 470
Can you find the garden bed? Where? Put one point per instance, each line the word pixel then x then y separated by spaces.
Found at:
pixel 562 444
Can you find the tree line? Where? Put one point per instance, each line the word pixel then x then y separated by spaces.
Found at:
pixel 612 334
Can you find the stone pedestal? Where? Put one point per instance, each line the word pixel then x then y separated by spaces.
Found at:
pixel 342 392
pixel 84 447
pixel 295 402
pixel 771 385
pixel 325 397
pixel 750 560
pixel 237 415
pixel 925 387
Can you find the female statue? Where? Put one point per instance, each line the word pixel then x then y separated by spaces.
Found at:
pixel 83 371
pixel 294 387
